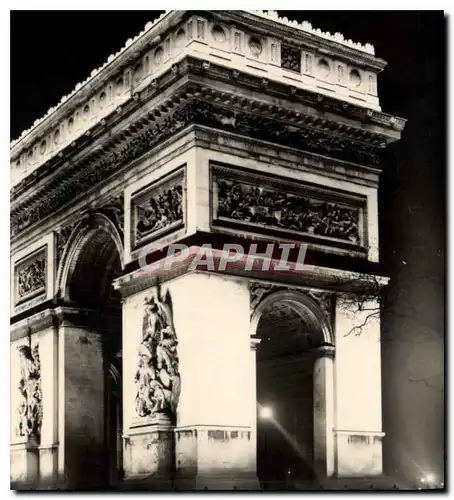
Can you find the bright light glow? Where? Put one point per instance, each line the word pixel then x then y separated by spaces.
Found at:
pixel 266 413
pixel 430 478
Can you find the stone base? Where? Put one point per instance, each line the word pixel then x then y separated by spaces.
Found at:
pixel 147 483
pixel 149 453
pixel 359 454
pixel 24 460
pixel 215 458
pixel 217 482
pixel 48 466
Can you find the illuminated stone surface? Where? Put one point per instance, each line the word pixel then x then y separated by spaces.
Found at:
pixel 131 399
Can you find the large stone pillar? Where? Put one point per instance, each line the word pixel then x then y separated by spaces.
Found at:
pixel 81 382
pixel 215 434
pixel 48 449
pixel 324 451
pixel 214 443
pixel 358 389
pixel 34 436
pixel 24 450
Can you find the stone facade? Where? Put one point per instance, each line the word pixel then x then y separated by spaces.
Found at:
pixel 180 141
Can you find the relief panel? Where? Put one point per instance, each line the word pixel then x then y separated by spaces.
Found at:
pixel 265 204
pixel 158 209
pixel 31 276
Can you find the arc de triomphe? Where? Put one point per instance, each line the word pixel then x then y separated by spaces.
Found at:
pixel 136 365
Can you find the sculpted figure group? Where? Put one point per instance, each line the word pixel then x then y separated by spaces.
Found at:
pixel 30 407
pixel 31 278
pixel 279 209
pixel 157 376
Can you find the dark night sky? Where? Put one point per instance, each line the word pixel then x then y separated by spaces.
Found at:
pixel 52 51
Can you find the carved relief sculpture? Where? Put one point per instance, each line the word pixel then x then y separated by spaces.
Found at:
pixel 62 237
pixel 30 407
pixel 31 278
pixel 157 376
pixel 114 208
pixel 276 208
pixel 291 58
pixel 159 211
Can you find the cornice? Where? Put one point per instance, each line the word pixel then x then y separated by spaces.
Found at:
pixel 49 134
pixel 383 126
pixel 323 278
pixel 191 102
pixel 305 26
pixel 359 116
pixel 97 77
pixel 87 318
pixel 115 124
pixel 260 19
pixel 35 323
pixel 305 33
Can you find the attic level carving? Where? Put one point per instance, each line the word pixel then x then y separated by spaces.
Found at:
pixel 291 125
pixel 247 42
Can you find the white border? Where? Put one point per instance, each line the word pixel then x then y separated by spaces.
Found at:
pixel 142 5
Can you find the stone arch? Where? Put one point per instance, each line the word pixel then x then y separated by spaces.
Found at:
pixel 303 305
pixel 294 379
pixel 94 239
pixel 91 323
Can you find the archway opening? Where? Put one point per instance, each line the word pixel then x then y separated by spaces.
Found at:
pixel 285 394
pixel 92 267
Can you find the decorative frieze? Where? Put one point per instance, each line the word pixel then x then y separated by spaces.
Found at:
pixel 116 153
pixel 29 412
pixel 69 122
pixel 30 276
pixel 157 377
pixel 158 209
pixel 315 136
pixel 295 135
pixel 277 207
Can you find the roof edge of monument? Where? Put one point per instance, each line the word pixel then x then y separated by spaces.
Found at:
pixel 94 73
pixel 308 28
pixel 269 15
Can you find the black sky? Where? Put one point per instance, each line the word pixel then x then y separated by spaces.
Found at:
pixel 52 51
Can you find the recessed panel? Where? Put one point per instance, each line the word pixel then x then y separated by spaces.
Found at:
pixel 31 277
pixel 273 205
pixel 158 209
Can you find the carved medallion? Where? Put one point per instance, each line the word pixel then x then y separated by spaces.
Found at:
pixel 218 34
pixel 157 377
pixel 323 68
pixel 255 46
pixel 30 408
